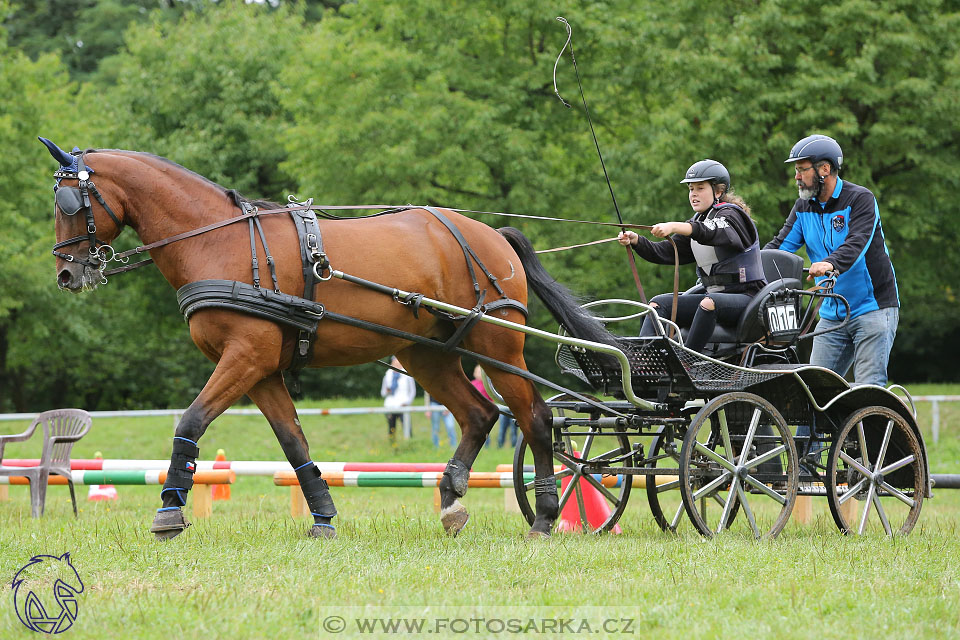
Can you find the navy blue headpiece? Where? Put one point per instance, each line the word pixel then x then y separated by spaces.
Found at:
pixel 68 161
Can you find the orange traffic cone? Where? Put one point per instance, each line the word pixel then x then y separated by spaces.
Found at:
pixel 594 504
pixel 101 491
pixel 220 491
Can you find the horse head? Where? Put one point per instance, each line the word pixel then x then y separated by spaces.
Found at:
pixel 86 222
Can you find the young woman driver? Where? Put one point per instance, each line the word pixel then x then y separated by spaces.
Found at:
pixel 722 239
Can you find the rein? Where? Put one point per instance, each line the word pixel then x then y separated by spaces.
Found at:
pixel 254 212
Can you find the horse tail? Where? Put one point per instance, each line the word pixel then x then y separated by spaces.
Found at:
pixel 558 299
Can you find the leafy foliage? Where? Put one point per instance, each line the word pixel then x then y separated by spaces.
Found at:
pixel 453 103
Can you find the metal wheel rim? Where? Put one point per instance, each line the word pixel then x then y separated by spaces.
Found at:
pixel 734 472
pixel 524 489
pixel 881 499
pixel 675 516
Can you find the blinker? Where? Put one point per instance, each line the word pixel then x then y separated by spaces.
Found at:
pixel 69 200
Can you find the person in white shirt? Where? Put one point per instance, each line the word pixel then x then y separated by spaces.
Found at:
pixel 397 390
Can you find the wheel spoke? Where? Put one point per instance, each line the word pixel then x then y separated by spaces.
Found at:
pixel 856 465
pixel 897 465
pixel 765 489
pixel 866 509
pixel 899 495
pixel 676 517
pixel 566 493
pixel 880 512
pixel 708 452
pixel 773 453
pixel 747 510
pixel 852 491
pixel 884 445
pixel 587 444
pixel 751 431
pixel 707 488
pixel 602 489
pixel 578 490
pixel 725 434
pixel 666 486
pixel 728 505
pixel 862 438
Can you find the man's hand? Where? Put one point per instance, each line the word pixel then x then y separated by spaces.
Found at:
pixel 627 238
pixel 819 269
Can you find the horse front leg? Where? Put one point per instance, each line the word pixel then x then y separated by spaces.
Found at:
pixel 230 380
pixel 273 399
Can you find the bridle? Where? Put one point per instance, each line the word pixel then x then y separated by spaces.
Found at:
pixel 72 200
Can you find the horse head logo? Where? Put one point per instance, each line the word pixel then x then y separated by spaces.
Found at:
pixel 45 593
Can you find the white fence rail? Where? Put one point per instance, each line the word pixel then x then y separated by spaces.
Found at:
pixel 353 411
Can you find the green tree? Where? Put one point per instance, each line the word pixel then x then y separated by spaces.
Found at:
pixel 881 77
pixel 202 92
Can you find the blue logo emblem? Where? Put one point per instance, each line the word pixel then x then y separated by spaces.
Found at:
pixel 839 222
pixel 45 594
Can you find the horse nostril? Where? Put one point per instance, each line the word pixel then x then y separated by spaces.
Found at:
pixel 64 277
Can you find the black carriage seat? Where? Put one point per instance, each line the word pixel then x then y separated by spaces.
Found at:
pixel 782 270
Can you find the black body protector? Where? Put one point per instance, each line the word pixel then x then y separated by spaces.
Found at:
pixel 722 266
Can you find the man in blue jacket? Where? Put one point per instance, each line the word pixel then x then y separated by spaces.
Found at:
pixel 839 222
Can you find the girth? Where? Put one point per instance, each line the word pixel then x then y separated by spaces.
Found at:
pixel 282 308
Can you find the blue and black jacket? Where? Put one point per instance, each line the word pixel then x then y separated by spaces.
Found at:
pixel 846 232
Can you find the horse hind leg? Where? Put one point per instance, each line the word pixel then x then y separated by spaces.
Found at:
pixel 443 378
pixel 534 419
pixel 273 399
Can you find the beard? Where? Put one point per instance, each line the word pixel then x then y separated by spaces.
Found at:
pixel 807 192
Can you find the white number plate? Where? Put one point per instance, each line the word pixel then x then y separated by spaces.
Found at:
pixel 782 317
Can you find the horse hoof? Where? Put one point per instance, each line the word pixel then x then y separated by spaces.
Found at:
pixel 168 524
pixel 322 531
pixel 537 535
pixel 454 519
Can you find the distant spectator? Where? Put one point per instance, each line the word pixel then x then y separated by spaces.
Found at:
pixel 507 423
pixel 397 390
pixel 437 414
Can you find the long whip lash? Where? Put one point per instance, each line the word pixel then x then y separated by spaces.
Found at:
pixel 603 165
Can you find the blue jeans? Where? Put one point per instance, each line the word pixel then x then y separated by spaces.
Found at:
pixel 507 423
pixel 437 414
pixel 865 342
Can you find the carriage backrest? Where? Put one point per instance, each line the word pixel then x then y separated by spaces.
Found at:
pixel 779 264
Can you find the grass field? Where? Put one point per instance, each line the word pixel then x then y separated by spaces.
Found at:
pixel 249 572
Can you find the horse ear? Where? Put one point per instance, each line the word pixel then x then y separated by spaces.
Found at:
pixel 61 156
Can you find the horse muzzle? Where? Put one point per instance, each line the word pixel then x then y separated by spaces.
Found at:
pixel 76 277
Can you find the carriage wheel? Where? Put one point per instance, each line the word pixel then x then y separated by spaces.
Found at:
pixel 593 447
pixel 875 474
pixel 663 492
pixel 738 450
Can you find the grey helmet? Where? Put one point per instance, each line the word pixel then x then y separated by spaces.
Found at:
pixel 708 171
pixel 816 148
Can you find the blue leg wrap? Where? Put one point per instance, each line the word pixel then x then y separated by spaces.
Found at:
pixel 183 464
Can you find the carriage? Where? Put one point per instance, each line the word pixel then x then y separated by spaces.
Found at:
pixel 733 437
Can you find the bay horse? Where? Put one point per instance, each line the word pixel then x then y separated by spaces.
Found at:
pixel 412 250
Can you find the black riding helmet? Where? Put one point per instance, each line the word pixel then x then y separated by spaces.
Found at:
pixel 708 171
pixel 816 148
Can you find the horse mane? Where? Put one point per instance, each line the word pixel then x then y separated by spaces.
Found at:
pixel 231 194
